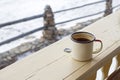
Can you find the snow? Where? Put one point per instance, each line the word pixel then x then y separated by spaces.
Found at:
pixel 11 10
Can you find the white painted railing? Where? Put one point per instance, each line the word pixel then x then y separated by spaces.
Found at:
pixel 52 63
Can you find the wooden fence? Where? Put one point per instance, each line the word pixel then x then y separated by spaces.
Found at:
pixel 52 31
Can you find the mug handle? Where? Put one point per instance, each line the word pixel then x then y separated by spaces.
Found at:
pixel 97 51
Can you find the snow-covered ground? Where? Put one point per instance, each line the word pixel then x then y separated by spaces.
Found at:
pixel 11 10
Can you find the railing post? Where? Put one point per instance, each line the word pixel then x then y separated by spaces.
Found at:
pixel 50 32
pixel 108 7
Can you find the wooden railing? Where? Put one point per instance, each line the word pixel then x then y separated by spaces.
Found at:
pixel 52 63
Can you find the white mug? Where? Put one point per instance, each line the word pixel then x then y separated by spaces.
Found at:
pixel 82 46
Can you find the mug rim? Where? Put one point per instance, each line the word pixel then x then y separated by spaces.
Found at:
pixel 83 41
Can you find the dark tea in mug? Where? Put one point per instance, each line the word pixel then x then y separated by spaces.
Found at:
pixel 82 39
